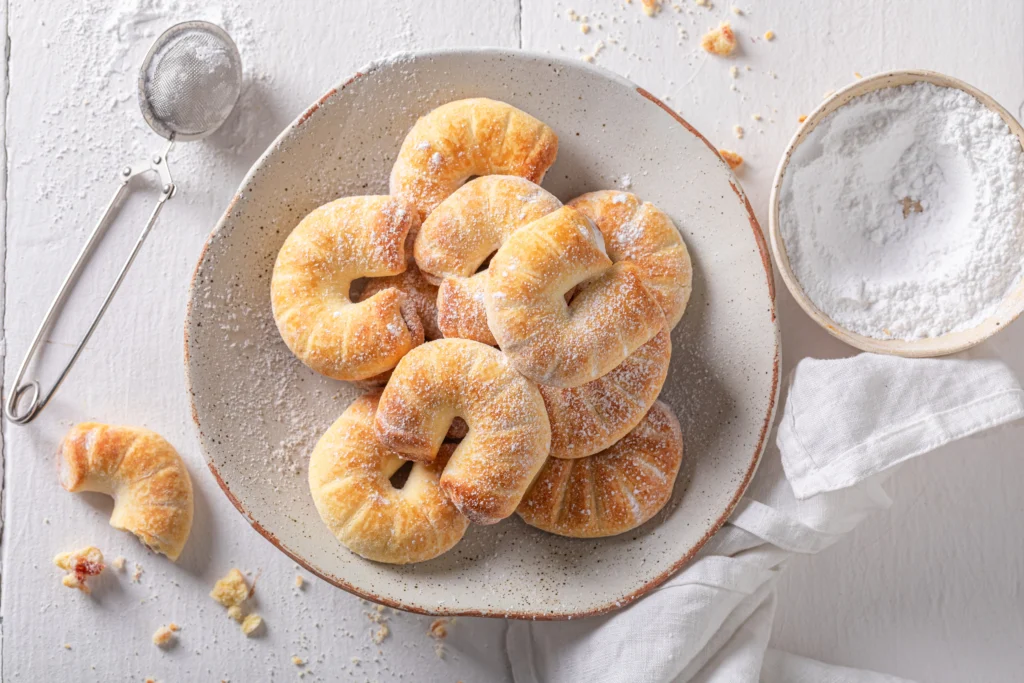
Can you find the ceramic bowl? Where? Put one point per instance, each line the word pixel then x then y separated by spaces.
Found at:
pixel 259 411
pixel 1005 313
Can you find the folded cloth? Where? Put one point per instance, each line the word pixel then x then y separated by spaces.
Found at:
pixel 893 409
pixel 845 424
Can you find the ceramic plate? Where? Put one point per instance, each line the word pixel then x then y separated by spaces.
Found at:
pixel 259 411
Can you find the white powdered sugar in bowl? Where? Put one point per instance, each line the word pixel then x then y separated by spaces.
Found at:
pixel 902 214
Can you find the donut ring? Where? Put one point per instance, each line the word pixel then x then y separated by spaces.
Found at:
pixel 337 243
pixel 462 233
pixel 613 491
pixel 467 138
pixel 508 436
pixel 644 235
pixel 349 478
pixel 566 344
pixel 590 418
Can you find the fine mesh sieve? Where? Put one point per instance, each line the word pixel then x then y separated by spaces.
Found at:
pixel 190 81
pixel 188 86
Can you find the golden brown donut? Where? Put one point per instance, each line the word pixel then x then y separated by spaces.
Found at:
pixel 644 235
pixel 143 473
pixel 508 433
pixel 613 491
pixel 591 417
pixel 467 138
pixel 347 239
pixel 566 344
pixel 460 235
pixel 350 474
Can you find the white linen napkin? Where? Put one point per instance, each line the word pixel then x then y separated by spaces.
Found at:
pixel 845 424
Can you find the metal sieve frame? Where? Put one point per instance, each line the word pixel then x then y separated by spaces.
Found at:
pixel 147 111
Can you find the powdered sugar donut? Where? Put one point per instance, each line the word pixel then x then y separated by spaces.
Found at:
pixel 564 344
pixel 339 242
pixel 508 437
pixel 350 480
pixel 591 417
pixel 613 491
pixel 639 232
pixel 459 236
pixel 466 138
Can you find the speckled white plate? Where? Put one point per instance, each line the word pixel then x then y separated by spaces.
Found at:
pixel 259 411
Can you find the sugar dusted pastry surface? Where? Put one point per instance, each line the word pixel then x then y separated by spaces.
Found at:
pixel 613 491
pixel 464 231
pixel 144 474
pixel 642 234
pixel 564 344
pixel 508 431
pixel 417 289
pixel 591 417
pixel 347 239
pixel 465 138
pixel 350 478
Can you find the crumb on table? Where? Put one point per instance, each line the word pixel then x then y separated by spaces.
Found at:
pixel 251 623
pixel 164 635
pixel 803 117
pixel 80 565
pixel 738 131
pixel 236 613
pixel 118 563
pixel 651 7
pixel 381 634
pixel 299 581
pixel 769 35
pixel 732 158
pixel 231 590
pixel 719 41
pixel 298 661
pixel 439 628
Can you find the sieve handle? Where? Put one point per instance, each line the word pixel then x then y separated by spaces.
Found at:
pixel 30 391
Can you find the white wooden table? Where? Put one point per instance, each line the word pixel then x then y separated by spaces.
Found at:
pixel 930 590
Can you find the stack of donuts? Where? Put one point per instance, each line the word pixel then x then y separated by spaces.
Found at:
pixel 513 348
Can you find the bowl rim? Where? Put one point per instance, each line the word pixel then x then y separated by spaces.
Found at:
pixel 760 240
pixel 927 347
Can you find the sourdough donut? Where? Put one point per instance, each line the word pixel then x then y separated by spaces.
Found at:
pixel 350 479
pixel 339 242
pixel 644 235
pixel 566 344
pixel 467 138
pixel 460 235
pixel 508 434
pixel 613 491
pixel 591 417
